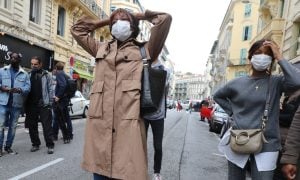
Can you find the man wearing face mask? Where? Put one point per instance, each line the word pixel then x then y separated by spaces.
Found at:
pixel 115 140
pixel 246 99
pixel 39 106
pixel 14 87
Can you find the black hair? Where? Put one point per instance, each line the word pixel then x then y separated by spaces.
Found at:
pixel 37 58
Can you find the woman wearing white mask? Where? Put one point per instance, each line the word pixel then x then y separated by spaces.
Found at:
pixel 115 141
pixel 245 98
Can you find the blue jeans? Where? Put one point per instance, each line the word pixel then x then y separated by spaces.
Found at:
pixel 8 117
pixel 237 173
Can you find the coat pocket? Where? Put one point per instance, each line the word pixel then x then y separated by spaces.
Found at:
pixel 131 99
pixel 96 100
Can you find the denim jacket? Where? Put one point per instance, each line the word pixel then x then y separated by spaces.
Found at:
pixel 47 88
pixel 21 81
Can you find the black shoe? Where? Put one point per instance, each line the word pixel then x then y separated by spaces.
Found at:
pixel 50 150
pixel 34 148
pixel 9 150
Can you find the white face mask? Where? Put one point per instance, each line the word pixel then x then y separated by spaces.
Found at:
pixel 261 62
pixel 121 30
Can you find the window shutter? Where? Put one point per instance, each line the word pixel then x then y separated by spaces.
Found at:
pixel 249 32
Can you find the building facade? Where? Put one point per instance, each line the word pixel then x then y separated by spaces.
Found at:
pixel 21 30
pixel 291 40
pixel 189 86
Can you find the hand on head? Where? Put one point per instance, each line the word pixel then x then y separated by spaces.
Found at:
pixel 275 49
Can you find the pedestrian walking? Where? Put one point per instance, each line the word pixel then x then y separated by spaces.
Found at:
pixel 61 103
pixel 156 121
pixel 39 105
pixel 115 141
pixel 14 86
pixel 247 106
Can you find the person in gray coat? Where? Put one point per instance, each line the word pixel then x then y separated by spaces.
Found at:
pixel 39 106
pixel 245 98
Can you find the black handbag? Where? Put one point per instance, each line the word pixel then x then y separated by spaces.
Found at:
pixel 153 85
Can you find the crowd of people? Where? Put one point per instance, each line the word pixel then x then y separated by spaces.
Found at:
pixel 115 138
pixel 41 96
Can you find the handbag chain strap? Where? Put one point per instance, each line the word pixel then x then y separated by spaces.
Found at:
pixel 267 106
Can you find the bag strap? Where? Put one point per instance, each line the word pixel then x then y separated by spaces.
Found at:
pixel 267 107
pixel 146 62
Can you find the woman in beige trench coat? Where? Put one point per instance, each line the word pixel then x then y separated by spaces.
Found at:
pixel 115 142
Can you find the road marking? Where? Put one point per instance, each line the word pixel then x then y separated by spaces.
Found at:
pixel 221 155
pixel 36 169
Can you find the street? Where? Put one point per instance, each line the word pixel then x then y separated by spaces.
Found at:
pixel 189 153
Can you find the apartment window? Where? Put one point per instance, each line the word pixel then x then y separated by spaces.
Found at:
pixel 112 8
pixel 5 4
pixel 61 21
pixel 35 11
pixel 243 56
pixel 101 39
pixel 296 44
pixel 247 12
pixel 247 31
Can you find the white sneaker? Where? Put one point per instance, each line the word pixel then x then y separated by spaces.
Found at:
pixel 157 176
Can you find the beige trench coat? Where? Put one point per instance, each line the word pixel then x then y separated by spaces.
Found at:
pixel 115 142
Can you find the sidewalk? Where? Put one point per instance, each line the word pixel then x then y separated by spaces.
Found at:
pixel 21 120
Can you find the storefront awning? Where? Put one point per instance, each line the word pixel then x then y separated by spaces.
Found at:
pixel 84 74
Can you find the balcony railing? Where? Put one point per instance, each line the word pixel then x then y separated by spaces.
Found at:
pixel 232 62
pixel 93 6
pixel 276 26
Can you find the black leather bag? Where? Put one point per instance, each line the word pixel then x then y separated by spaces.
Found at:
pixel 153 85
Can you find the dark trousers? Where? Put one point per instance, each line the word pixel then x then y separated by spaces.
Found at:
pixel 157 127
pixel 43 115
pixel 68 125
pixel 61 115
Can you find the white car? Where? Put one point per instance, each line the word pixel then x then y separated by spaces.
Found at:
pixel 80 105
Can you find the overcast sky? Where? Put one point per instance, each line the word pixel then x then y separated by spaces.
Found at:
pixel 194 29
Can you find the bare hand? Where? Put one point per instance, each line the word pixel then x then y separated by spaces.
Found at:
pixel 5 89
pixel 289 170
pixel 56 99
pixel 15 90
pixel 275 49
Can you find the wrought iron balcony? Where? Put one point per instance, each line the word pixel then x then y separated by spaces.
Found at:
pixel 93 6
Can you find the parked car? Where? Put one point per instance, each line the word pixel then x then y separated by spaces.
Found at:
pixel 218 119
pixel 171 104
pixel 79 105
pixel 225 127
